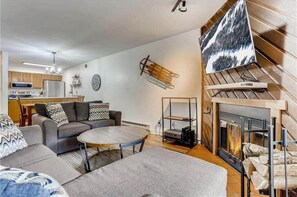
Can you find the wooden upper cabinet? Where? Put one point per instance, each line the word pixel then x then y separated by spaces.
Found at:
pixel 47 77
pixel 37 80
pixel 53 77
pixel 26 77
pixel 9 79
pixel 57 77
pixel 16 76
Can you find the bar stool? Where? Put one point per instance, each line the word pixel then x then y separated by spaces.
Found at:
pixel 23 117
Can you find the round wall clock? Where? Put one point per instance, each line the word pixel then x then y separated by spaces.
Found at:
pixel 96 82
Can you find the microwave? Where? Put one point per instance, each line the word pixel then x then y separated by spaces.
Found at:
pixel 21 85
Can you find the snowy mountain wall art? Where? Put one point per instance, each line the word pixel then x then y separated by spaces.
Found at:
pixel 228 43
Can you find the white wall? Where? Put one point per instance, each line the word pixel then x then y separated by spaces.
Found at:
pixel 124 88
pixel 3 82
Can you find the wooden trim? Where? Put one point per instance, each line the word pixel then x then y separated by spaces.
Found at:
pixel 285 23
pixel 286 42
pixel 215 129
pixel 284 59
pixel 269 104
pixel 278 127
pixel 285 7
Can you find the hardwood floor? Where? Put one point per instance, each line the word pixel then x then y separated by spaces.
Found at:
pixel 233 187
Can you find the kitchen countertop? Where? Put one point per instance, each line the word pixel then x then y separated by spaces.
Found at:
pixel 36 98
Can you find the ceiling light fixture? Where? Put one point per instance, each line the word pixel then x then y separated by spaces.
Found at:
pixel 53 69
pixel 181 4
pixel 33 64
pixel 49 69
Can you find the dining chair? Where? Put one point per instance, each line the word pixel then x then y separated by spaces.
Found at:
pixel 23 117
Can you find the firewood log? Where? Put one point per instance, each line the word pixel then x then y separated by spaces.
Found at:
pixel 248 167
pixel 279 169
pixel 261 182
pixel 278 158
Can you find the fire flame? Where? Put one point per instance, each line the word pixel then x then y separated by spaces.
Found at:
pixel 234 139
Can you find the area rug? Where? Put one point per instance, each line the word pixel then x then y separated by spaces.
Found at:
pixel 97 160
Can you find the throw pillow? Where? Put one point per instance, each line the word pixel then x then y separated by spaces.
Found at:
pixel 57 114
pixel 98 111
pixel 10 188
pixel 11 138
pixel 82 110
pixel 40 109
pixel 18 182
pixel 69 111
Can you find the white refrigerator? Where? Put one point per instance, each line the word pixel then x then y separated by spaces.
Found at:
pixel 54 88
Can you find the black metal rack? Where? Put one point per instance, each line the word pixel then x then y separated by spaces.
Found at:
pixel 249 130
pixel 189 119
pixel 271 146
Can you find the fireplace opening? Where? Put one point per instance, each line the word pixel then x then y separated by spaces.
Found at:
pixel 238 121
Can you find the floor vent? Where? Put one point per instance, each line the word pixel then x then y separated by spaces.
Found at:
pixel 135 124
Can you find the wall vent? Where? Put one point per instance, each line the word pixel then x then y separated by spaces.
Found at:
pixel 135 124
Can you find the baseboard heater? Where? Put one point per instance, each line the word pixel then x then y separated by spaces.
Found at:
pixel 135 124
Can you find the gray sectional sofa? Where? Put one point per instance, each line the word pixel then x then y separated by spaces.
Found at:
pixel 64 138
pixel 153 172
pixel 39 158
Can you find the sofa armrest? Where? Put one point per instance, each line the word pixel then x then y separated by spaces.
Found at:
pixel 32 134
pixel 117 116
pixel 49 129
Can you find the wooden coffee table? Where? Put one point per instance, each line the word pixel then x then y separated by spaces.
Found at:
pixel 110 137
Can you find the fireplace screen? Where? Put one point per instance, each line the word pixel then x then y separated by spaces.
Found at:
pixel 230 136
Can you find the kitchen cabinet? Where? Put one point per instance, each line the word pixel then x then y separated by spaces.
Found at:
pixel 57 77
pixel 16 77
pixel 35 78
pixel 9 79
pixel 26 77
pixel 47 77
pixel 53 77
pixel 37 81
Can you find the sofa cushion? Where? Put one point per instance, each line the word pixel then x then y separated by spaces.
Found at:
pixel 69 111
pixel 26 156
pixel 57 114
pixel 40 109
pixel 72 129
pixel 99 123
pixel 11 138
pixel 98 111
pixel 82 110
pixel 56 167
pixel 155 171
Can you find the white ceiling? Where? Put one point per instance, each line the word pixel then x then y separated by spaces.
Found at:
pixel 84 30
